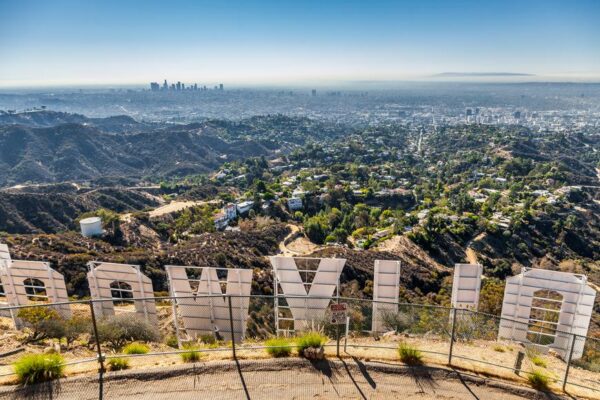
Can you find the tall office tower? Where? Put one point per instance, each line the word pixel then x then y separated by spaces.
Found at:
pixel 220 86
pixel 469 112
pixel 314 92
pixel 195 86
pixel 154 86
pixel 178 85
pixel 165 85
pixel 183 86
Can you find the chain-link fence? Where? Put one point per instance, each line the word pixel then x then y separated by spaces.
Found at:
pixel 94 344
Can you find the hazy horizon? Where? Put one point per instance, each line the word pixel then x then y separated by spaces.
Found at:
pixel 350 85
pixel 70 43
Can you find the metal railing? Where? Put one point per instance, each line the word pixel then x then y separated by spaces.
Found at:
pixel 458 338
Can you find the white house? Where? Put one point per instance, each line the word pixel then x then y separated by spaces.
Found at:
pixel 295 203
pixel 244 206
pixel 230 210
pixel 220 221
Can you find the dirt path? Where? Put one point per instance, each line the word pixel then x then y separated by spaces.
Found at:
pixel 285 379
pixel 175 206
pixel 297 247
pixel 282 247
pixel 471 254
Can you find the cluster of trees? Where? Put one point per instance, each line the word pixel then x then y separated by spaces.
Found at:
pixel 189 221
pixel 335 225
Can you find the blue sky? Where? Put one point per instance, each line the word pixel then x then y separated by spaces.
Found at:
pixel 268 42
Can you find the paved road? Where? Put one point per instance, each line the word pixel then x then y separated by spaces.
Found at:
pixel 281 379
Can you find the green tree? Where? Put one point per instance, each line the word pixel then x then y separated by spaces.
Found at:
pixel 491 296
pixel 315 230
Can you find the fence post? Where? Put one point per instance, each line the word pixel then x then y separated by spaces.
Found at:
pixel 452 336
pixel 231 327
pixel 346 335
pixel 337 334
pixel 101 370
pixel 569 357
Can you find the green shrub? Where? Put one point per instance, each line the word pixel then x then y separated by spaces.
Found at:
pixel 538 361
pixel 409 354
pixel 193 354
pixel 538 380
pixel 310 339
pixel 432 321
pixel 172 341
pixel 395 321
pixel 47 323
pixel 499 348
pixel 117 330
pixel 75 327
pixel 208 339
pixel 35 368
pixel 44 322
pixel 471 326
pixel 535 357
pixel 117 364
pixel 136 348
pixel 279 347
pixel 590 366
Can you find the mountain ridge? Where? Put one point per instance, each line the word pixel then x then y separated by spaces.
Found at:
pixel 77 152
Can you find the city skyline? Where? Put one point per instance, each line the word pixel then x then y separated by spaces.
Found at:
pixel 285 43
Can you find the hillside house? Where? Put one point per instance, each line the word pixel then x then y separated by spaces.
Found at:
pixel 244 206
pixel 295 203
pixel 220 220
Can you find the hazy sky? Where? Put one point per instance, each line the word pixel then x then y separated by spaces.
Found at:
pixel 255 42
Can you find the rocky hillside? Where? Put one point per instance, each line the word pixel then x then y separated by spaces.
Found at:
pixel 69 253
pixel 54 209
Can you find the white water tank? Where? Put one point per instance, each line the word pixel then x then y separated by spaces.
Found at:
pixel 91 226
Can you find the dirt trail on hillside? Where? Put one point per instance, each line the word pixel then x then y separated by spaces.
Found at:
pixel 406 250
pixel 297 247
pixel 175 206
pixel 472 254
pixel 282 245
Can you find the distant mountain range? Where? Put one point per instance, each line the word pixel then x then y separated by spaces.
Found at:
pixel 46 118
pixel 45 147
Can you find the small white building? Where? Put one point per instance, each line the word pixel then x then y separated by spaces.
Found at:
pixel 231 211
pixel 295 203
pixel 220 175
pixel 244 206
pixel 299 193
pixel 221 221
pixel 91 226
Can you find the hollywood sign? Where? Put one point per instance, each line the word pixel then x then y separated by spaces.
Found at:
pixel 202 304
pixel 541 307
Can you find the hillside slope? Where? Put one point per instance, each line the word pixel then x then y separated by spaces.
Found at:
pixel 37 212
pixel 76 152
